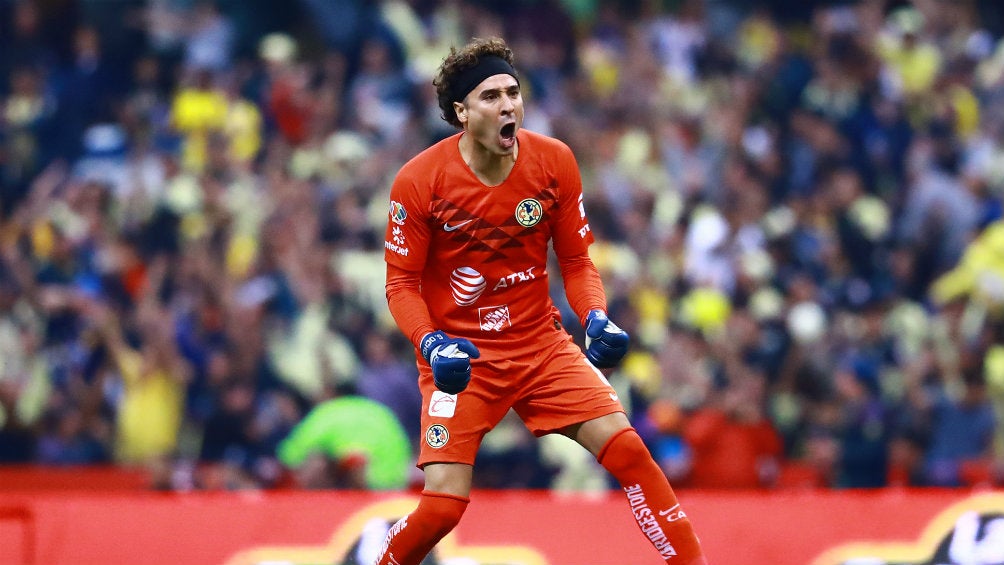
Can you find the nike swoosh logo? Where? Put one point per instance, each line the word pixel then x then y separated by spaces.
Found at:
pixel 454 227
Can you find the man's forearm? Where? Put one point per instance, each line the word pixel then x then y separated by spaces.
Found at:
pixel 583 285
pixel 404 298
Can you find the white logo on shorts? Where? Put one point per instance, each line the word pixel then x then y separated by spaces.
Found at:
pixel 442 405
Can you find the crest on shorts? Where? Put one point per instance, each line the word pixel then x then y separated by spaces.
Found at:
pixel 437 436
pixel 529 212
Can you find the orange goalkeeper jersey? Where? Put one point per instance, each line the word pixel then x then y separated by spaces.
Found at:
pixel 482 251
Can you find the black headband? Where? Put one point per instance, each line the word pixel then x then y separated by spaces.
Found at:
pixel 468 79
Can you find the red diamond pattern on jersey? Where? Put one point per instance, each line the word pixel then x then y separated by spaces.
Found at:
pixel 480 235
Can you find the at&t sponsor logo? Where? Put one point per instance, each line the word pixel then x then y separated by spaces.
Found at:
pixel 467 285
pixel 513 278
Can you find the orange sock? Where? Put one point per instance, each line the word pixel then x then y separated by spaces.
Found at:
pixel 414 536
pixel 652 499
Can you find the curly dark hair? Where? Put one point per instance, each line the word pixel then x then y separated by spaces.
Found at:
pixel 458 61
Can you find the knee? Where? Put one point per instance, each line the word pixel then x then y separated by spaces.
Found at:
pixel 624 449
pixel 440 513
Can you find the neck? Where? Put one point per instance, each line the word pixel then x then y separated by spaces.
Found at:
pixel 491 168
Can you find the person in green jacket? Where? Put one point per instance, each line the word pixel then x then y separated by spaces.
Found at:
pixel 349 442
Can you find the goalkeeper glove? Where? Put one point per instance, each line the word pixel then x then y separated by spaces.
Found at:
pixel 450 359
pixel 606 344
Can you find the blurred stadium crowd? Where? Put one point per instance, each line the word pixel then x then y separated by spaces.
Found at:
pixel 798 208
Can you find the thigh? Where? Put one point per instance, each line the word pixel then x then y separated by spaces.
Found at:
pixel 566 389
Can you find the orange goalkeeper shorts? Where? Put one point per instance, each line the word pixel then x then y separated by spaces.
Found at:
pixel 551 387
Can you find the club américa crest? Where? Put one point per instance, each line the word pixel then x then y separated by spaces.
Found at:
pixel 529 212
pixel 437 435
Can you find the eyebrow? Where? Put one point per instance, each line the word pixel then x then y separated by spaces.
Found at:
pixel 509 88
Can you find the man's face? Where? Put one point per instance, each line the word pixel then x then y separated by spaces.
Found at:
pixel 492 113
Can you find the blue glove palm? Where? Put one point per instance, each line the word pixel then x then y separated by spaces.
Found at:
pixel 450 359
pixel 606 343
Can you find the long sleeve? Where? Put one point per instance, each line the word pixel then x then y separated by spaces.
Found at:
pixel 583 285
pixel 571 238
pixel 404 298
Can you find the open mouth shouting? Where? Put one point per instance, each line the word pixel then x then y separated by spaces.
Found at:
pixel 507 135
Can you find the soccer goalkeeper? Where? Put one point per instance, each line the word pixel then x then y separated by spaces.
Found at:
pixel 466 250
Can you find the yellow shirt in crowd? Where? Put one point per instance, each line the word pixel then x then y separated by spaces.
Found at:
pixel 150 414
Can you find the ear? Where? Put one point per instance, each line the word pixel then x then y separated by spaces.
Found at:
pixel 461 111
